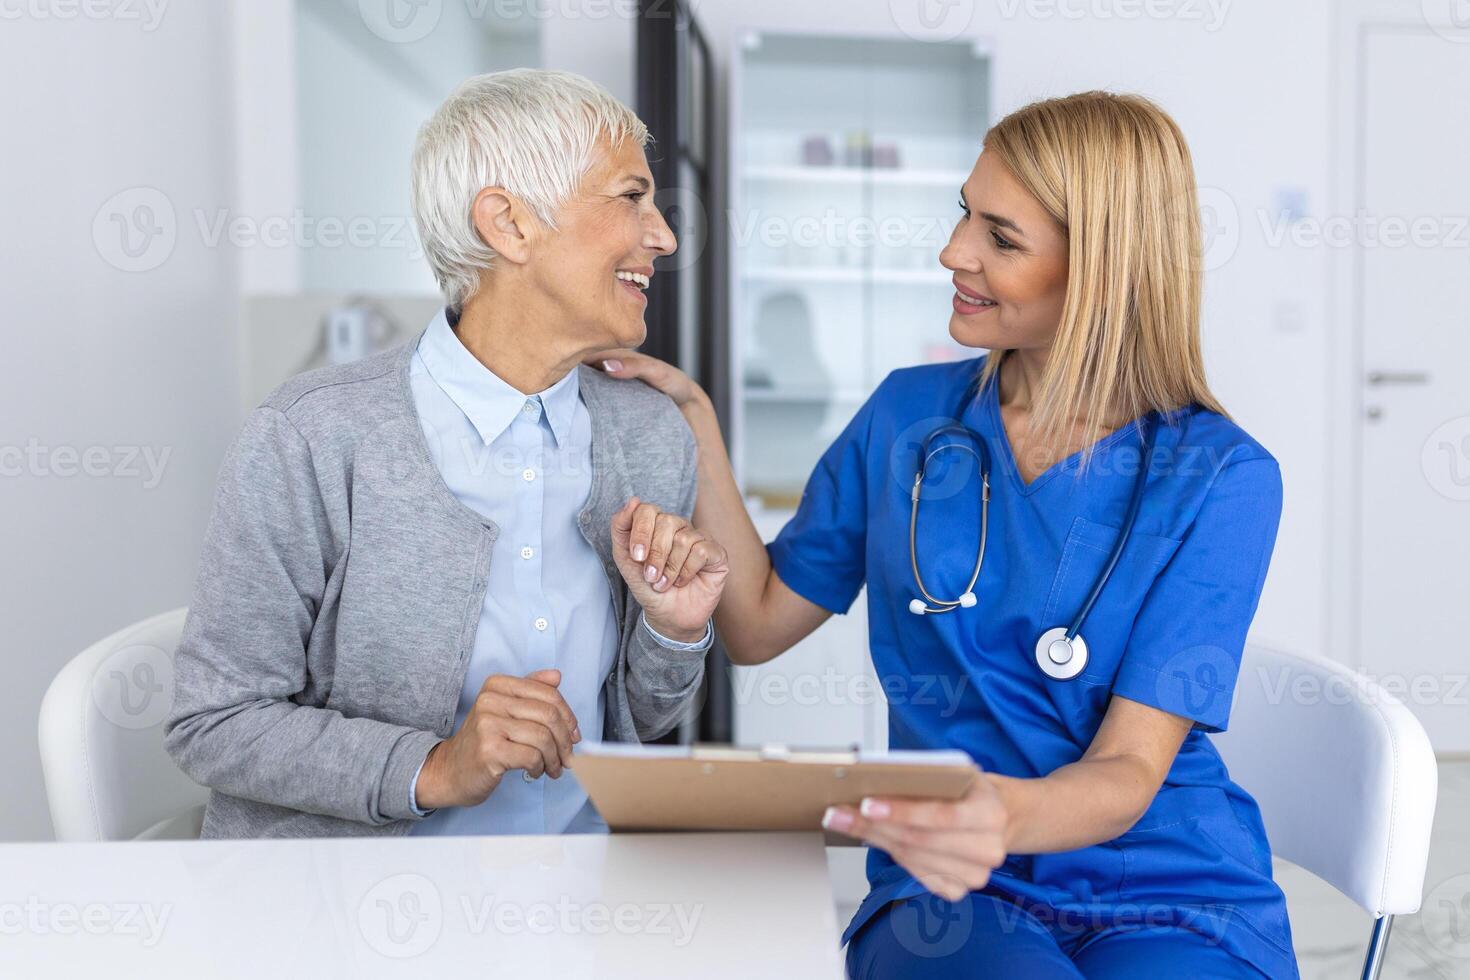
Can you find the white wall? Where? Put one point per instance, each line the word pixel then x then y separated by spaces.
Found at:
pixel 328 103
pixel 600 47
pixel 102 359
pixel 360 101
pixel 1252 92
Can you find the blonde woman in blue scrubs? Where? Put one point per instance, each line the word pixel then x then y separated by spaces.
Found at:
pixel 1105 838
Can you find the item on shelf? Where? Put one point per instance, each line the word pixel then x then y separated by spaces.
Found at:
pixel 783 499
pixel 758 377
pixel 859 151
pixel 885 155
pixel 816 151
pixel 784 351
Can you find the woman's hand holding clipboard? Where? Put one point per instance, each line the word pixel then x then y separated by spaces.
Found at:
pixel 709 788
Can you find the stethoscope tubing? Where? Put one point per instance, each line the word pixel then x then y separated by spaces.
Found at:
pixel 944 604
pixel 1125 532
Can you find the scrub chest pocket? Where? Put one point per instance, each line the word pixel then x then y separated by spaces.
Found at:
pixel 1084 555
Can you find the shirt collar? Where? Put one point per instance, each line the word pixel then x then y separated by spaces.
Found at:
pixel 490 403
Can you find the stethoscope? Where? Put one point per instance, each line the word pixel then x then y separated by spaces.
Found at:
pixel 1061 652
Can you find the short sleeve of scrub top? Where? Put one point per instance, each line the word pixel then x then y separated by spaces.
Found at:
pixel 1185 650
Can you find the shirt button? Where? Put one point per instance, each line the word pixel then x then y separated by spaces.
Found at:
pixel 528 474
pixel 541 623
pixel 529 408
pixel 527 553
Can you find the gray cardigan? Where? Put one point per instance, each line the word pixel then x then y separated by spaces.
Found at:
pixel 339 591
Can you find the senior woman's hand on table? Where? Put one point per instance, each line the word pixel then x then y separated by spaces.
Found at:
pixel 515 723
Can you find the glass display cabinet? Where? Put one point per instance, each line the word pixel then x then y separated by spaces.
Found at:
pixel 847 158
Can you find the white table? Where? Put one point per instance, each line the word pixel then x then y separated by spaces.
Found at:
pixel 627 905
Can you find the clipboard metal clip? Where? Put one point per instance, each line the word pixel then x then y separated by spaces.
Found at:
pixel 774 752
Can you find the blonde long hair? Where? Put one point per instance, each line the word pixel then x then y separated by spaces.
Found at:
pixel 1115 174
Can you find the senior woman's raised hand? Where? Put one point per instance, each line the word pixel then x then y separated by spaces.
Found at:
pixel 674 570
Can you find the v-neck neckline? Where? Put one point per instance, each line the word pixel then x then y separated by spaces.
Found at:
pixel 991 397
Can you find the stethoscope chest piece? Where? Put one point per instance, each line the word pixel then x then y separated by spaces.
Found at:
pixel 1061 658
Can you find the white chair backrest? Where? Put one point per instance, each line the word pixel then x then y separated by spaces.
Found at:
pixel 108 776
pixel 1343 772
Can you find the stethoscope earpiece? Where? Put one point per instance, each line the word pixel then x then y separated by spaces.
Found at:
pixel 919 607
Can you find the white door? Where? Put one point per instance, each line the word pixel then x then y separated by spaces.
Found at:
pixel 1413 297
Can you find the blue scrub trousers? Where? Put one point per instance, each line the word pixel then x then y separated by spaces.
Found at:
pixel 987 935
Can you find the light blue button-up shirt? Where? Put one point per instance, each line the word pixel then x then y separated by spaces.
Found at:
pixel 524 462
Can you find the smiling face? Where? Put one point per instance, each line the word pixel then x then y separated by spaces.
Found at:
pixel 591 271
pixel 1009 260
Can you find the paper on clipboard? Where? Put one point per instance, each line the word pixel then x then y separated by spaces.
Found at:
pixel 708 787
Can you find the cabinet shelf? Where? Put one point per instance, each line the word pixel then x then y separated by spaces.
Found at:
pixel 803 396
pixel 895 176
pixel 841 274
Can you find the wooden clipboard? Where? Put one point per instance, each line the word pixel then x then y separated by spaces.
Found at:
pixel 681 787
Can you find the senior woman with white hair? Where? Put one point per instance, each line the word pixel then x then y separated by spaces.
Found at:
pixel 417 576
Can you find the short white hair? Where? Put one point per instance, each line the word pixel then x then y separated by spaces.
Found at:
pixel 529 131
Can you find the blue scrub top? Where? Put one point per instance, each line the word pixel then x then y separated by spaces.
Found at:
pixel 1167 631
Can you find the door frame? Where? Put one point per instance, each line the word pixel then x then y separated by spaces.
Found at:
pixel 1352 21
